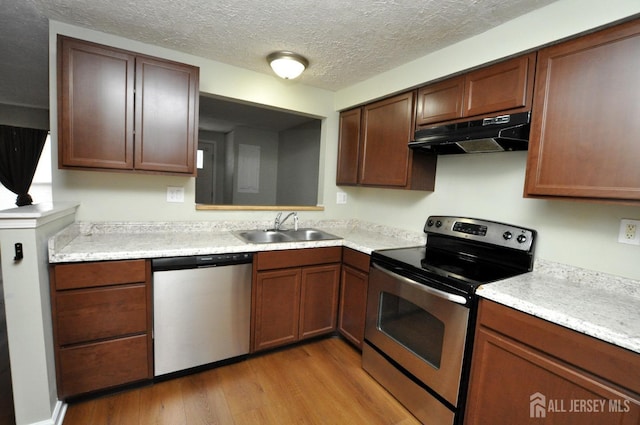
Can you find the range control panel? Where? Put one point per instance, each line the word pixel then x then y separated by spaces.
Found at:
pixel 492 232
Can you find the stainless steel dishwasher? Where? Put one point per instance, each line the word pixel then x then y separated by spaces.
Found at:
pixel 201 310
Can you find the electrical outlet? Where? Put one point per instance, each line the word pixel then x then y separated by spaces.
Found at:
pixel 629 232
pixel 175 194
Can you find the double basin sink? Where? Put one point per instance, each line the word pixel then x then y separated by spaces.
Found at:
pixel 280 236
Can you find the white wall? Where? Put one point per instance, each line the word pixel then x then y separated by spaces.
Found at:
pixel 28 310
pixel 24 116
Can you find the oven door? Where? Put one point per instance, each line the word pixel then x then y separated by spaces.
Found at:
pixel 421 328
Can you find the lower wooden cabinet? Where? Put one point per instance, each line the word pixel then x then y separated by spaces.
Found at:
pixel 101 325
pixel 295 295
pixel 526 370
pixel 319 300
pixel 276 308
pixel 354 283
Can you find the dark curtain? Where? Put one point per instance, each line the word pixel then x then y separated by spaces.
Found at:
pixel 20 150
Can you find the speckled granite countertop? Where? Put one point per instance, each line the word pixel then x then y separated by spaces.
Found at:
pixel 603 306
pixel 118 241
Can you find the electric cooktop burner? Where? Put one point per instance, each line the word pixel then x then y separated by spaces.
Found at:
pixel 463 253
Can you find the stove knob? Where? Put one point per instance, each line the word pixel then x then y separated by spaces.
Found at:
pixel 507 235
pixel 429 223
pixel 438 223
pixel 521 239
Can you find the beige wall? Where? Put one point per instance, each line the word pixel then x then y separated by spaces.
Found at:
pixel 117 197
pixel 487 186
pixel 490 185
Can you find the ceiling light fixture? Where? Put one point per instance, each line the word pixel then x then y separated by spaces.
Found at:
pixel 287 65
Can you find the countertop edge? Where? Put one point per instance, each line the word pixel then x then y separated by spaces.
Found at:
pixel 601 312
pixel 74 244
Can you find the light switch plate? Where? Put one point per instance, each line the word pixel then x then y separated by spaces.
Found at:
pixel 175 194
pixel 341 198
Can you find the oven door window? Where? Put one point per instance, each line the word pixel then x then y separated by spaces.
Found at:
pixel 412 327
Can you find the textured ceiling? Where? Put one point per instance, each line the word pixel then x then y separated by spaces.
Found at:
pixel 346 41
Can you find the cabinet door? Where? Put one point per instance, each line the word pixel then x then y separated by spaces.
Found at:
pixel 511 383
pixel 349 147
pixel 388 128
pixel 353 304
pixel 95 116
pixel 276 308
pixel 440 101
pixel 166 116
pixel 505 86
pixel 319 300
pixel 585 124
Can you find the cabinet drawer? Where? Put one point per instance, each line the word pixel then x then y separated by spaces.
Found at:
pixel 86 275
pixel 297 257
pixel 103 365
pixel 356 259
pixel 89 314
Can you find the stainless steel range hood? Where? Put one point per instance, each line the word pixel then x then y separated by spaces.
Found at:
pixel 495 134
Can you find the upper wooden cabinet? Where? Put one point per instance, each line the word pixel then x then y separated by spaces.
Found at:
pixel 504 87
pixel 118 110
pixel 373 148
pixel 349 149
pixel 584 131
pixel 440 101
pixel 387 130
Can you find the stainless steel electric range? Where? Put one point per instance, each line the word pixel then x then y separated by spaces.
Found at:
pixel 421 310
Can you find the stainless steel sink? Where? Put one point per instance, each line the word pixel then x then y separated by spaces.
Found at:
pixel 279 236
pixel 310 235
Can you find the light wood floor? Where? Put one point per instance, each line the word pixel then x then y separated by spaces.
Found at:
pixel 316 383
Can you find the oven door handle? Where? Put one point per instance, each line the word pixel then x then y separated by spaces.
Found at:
pixel 458 299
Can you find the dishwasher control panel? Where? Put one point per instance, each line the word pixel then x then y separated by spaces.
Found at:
pixel 223 259
pixel 199 261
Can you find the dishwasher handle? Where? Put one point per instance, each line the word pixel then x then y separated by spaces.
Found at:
pixel 200 261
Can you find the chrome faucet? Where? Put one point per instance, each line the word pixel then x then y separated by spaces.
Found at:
pixel 277 223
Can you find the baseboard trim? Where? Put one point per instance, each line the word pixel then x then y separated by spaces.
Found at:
pixel 57 418
pixel 58 413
